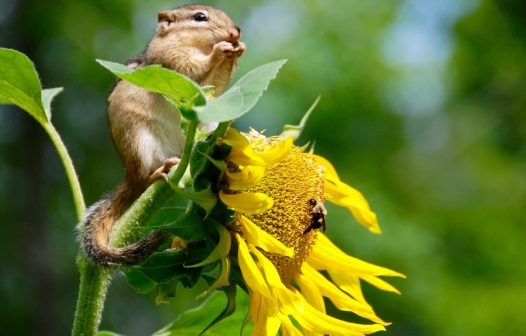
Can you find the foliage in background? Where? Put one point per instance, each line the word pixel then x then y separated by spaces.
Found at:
pixel 428 95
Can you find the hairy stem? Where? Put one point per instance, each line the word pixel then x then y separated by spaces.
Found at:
pixel 94 283
pixel 94 280
pixel 73 180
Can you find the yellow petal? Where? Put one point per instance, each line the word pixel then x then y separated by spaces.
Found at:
pixel 221 281
pixel 242 152
pixel 329 168
pixel 234 138
pixel 327 256
pixel 269 271
pixel 273 324
pixel 257 306
pixel 250 270
pixel 260 238
pixel 318 322
pixel 340 299
pixel 283 297
pixel 246 177
pixel 380 284
pixel 276 151
pixel 265 323
pixel 346 196
pixel 221 250
pixel 254 303
pixel 348 283
pixel 288 329
pixel 247 203
pixel 311 292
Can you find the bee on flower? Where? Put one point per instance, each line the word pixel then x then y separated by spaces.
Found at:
pixel 276 192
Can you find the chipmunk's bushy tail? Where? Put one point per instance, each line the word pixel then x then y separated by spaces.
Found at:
pixel 96 228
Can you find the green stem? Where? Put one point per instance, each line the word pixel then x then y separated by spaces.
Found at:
pixel 94 283
pixel 219 131
pixel 95 280
pixel 74 183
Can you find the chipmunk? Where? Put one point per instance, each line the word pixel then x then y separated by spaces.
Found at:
pixel 198 41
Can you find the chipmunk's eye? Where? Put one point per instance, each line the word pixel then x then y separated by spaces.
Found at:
pixel 200 17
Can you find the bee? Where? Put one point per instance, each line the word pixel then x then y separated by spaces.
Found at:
pixel 318 213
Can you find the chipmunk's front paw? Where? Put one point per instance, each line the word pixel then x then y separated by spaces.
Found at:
pixel 223 49
pixel 239 48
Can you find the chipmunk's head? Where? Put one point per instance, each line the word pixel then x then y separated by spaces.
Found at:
pixel 196 26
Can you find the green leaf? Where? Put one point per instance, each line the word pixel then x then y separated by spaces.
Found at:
pixel 198 160
pixel 47 97
pixel 20 85
pixel 242 96
pixel 139 280
pixel 227 107
pixel 230 292
pixel 164 267
pixel 179 89
pixel 205 171
pixel 195 321
pixel 294 131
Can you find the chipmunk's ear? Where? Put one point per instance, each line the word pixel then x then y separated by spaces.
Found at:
pixel 165 19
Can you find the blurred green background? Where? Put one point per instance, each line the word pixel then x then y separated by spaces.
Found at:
pixel 422 110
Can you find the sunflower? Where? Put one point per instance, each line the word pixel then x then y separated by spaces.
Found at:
pixel 288 266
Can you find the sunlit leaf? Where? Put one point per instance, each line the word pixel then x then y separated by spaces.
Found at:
pixel 20 85
pixel 242 96
pixel 227 107
pixel 176 87
pixel 294 131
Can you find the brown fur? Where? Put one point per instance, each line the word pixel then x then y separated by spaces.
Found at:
pixel 146 129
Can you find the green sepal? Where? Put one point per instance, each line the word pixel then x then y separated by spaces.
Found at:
pixel 294 131
pixel 206 171
pixel 230 308
pixel 222 248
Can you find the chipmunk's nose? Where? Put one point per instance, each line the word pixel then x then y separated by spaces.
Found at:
pixel 234 35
